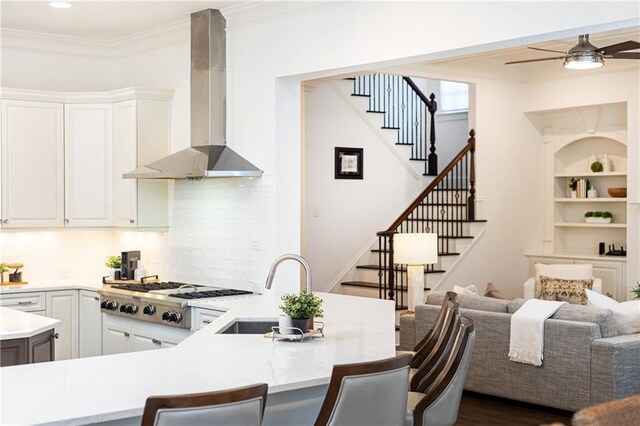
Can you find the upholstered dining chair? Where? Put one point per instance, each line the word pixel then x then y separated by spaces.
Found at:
pixel 437 353
pixel 426 344
pixel 234 407
pixel 619 412
pixel 367 393
pixel 438 401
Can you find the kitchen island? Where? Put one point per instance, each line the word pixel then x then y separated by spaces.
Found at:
pixel 25 338
pixel 114 388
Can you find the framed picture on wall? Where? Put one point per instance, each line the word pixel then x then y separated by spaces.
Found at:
pixel 348 163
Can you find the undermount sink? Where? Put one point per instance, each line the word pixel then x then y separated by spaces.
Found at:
pixel 250 327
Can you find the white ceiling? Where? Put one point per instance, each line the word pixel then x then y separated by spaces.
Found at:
pixel 100 20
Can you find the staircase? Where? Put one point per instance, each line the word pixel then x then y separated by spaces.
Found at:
pixel 405 110
pixel 445 207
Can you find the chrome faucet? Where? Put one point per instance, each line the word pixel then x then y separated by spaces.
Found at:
pixel 279 260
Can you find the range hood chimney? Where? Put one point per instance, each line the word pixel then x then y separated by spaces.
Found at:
pixel 208 155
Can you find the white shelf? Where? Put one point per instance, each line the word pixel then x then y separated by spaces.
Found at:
pixel 580 256
pixel 590 174
pixel 591 200
pixel 590 225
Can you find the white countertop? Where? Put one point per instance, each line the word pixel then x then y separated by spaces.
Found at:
pixel 113 387
pixel 16 324
pixel 49 285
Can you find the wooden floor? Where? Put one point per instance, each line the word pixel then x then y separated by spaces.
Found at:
pixel 477 409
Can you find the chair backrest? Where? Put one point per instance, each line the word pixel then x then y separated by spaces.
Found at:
pixel 620 412
pixel 442 396
pixel 368 393
pixel 439 351
pixel 240 406
pixel 434 332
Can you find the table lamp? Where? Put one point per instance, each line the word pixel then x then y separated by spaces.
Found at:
pixel 415 250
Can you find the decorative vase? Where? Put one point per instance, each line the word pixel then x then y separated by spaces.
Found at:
pixel 574 194
pixel 592 193
pixel 606 163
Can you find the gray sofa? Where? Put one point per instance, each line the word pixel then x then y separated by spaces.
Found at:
pixel 585 361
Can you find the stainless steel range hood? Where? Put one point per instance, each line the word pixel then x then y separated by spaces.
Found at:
pixel 208 155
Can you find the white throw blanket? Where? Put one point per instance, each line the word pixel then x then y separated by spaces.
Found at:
pixel 526 343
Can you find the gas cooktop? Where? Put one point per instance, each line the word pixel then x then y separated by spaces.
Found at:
pixel 202 294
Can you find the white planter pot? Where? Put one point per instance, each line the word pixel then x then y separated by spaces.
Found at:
pixel 597 219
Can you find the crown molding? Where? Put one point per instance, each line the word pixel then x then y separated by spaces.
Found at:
pixel 154 38
pixel 118 95
pixel 257 11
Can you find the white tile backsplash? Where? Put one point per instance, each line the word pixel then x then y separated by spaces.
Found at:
pixel 220 233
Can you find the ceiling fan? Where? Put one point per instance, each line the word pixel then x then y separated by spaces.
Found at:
pixel 584 55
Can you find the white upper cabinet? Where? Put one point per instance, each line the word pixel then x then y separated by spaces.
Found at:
pixel 63 156
pixel 32 164
pixel 88 165
pixel 140 136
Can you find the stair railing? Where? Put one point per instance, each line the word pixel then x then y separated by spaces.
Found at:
pixel 405 109
pixel 442 208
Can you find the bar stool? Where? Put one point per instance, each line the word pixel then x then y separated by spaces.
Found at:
pixel 234 407
pixel 438 400
pixel 368 393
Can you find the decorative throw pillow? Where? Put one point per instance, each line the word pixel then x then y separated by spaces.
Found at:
pixel 492 291
pixel 470 290
pixel 626 314
pixel 552 288
pixel 564 271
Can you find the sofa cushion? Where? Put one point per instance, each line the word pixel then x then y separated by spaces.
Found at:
pixel 626 314
pixel 552 288
pixel 567 272
pixel 493 291
pixel 602 317
pixel 478 303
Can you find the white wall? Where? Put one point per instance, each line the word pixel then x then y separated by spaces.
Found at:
pixel 338 38
pixel 595 88
pixel 268 57
pixel 342 216
pixel 50 254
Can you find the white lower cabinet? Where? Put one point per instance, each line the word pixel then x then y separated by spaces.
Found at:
pixel 203 317
pixel 63 305
pixel 89 325
pixel 126 335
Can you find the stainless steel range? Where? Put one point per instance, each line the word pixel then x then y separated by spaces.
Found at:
pixel 162 303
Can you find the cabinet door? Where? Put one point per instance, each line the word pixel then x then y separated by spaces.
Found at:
pixel 115 339
pixel 143 342
pixel 90 325
pixel 88 165
pixel 63 305
pixel 204 317
pixel 611 274
pixel 32 177
pixel 125 159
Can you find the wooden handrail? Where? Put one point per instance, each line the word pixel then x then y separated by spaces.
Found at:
pixel 470 146
pixel 430 102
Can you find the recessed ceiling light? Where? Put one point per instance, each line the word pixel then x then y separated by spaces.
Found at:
pixel 60 4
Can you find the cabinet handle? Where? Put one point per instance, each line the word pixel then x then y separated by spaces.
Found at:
pixel 126 334
pixel 206 322
pixel 25 303
pixel 156 342
pixel 5 221
pixel 66 221
pixel 96 298
pixel 56 335
pixel 132 221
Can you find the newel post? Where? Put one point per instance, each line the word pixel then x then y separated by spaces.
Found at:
pixel 433 157
pixel 471 201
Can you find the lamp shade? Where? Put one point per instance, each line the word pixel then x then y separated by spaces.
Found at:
pixel 415 249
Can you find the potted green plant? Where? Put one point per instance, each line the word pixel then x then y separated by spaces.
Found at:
pixel 573 186
pixel 114 263
pixel 299 310
pixel 636 291
pixel 598 217
pixel 3 268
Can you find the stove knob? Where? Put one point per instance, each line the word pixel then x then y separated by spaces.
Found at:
pixel 149 310
pixel 123 308
pixel 132 309
pixel 103 305
pixel 175 317
pixel 166 316
pixel 112 305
